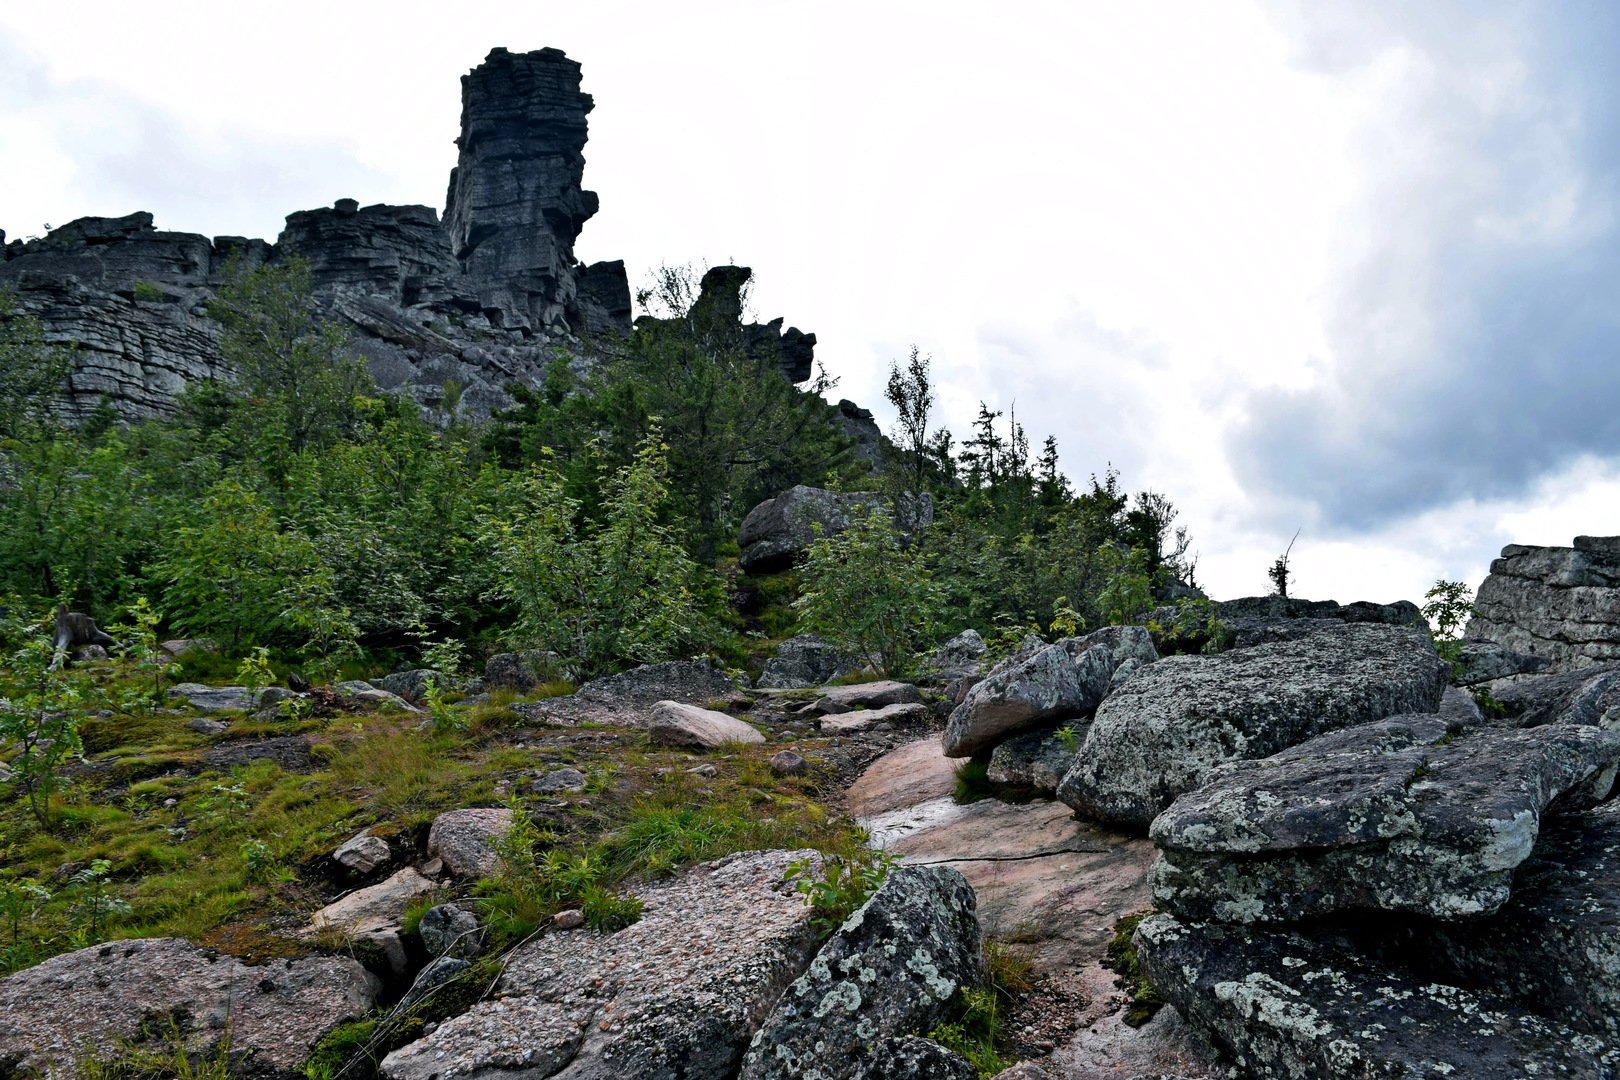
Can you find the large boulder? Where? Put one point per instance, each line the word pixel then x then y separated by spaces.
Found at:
pixel 1256 620
pixel 1585 695
pixel 521 671
pixel 1067 679
pixel 1284 1006
pixel 1038 759
pixel 1161 734
pixel 674 724
pixel 693 682
pixel 97 1004
pixel 782 528
pixel 1398 815
pixel 676 994
pixel 892 969
pixel 802 662
pixel 869 695
pixel 1554 603
pixel 1554 947
pixel 468 840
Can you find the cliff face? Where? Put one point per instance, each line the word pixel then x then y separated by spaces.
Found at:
pixel 1554 603
pixel 489 296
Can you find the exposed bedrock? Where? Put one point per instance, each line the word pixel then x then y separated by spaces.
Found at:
pixel 1556 604
pixel 1164 731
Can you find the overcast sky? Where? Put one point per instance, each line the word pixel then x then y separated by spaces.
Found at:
pixel 1350 269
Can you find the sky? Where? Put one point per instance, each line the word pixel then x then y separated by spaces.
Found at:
pixel 1345 270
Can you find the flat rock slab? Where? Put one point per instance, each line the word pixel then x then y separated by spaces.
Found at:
pixel 858 720
pixel 1052 883
pixel 1398 815
pixel 675 724
pixel 376 907
pixel 213 698
pixel 466 840
pixel 1162 733
pixel 1069 678
pixel 1284 1007
pixel 92 1004
pixel 871 695
pixel 679 993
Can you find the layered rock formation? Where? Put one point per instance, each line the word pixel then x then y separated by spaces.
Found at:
pixel 491 295
pixel 1553 604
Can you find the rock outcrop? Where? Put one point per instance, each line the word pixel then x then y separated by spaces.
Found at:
pixel 677 994
pixel 491 295
pixel 1162 733
pixel 1553 603
pixel 783 527
pixel 1400 815
pixel 97 1003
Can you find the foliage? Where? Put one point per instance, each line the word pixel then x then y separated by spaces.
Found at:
pixel 1127 592
pixel 1069 736
pixel 1450 606
pixel 972 781
pixel 620 591
pixel 1279 572
pixel 149 292
pixel 869 595
pixel 1122 959
pixel 843 884
pixel 41 709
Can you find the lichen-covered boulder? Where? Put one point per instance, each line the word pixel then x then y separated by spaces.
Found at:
pixel 802 662
pixel 688 681
pixel 413 685
pixel 1587 695
pixel 892 969
pixel 783 527
pixel 1162 733
pixel 1398 815
pixel 676 994
pixel 1068 678
pixel 98 1003
pixel 674 724
pixel 1554 947
pixel 467 840
pixel 867 695
pixel 1038 759
pixel 521 670
pixel 912 1057
pixel 1284 1006
pixel 1555 603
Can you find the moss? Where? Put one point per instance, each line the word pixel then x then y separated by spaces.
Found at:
pixel 1121 958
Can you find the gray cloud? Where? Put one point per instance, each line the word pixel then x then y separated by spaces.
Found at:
pixel 1475 342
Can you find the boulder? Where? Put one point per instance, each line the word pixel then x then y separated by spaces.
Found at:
pixel 1584 695
pixel 1037 759
pixel 782 528
pixel 215 698
pixel 802 662
pixel 789 763
pixel 362 853
pixel 466 840
pixel 848 723
pixel 1161 734
pixel 1485 662
pixel 99 1002
pixel 450 930
pixel 676 994
pixel 961 657
pixel 868 695
pixel 560 780
pixel 1256 620
pixel 912 1057
pixel 1557 604
pixel 520 671
pixel 414 684
pixel 675 724
pixel 1284 1006
pixel 1067 679
pixel 1398 815
pixel 892 969
pixel 373 908
pixel 691 682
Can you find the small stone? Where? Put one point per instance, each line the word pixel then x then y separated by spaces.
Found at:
pixel 571 919
pixel 363 853
pixel 706 770
pixel 450 930
pixel 788 763
pixel 564 779
pixel 206 725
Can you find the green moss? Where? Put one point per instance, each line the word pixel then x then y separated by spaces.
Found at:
pixel 1122 960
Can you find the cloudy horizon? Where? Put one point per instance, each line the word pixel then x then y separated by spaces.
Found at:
pixel 1333 268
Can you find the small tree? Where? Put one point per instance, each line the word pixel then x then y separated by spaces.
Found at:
pixel 1279 573
pixel 40 711
pixel 869 595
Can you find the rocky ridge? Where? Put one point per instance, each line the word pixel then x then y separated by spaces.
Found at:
pixel 490 295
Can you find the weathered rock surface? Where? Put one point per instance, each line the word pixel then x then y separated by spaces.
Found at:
pixel 1554 603
pixel 520 670
pixel 891 969
pixel 413 685
pixel 675 724
pixel 466 840
pixel 868 695
pixel 211 698
pixel 95 1002
pixel 802 662
pixel 1067 679
pixel 1256 620
pixel 1038 759
pixel 897 715
pixel 715 319
pixel 1398 815
pixel 1584 695
pixel 689 681
pixel 912 1057
pixel 362 853
pixel 1285 1006
pixel 959 658
pixel 374 908
pixel 677 994
pixel 450 930
pixel 1161 734
pixel 783 527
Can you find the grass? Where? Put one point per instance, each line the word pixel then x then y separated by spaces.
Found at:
pixel 1122 960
